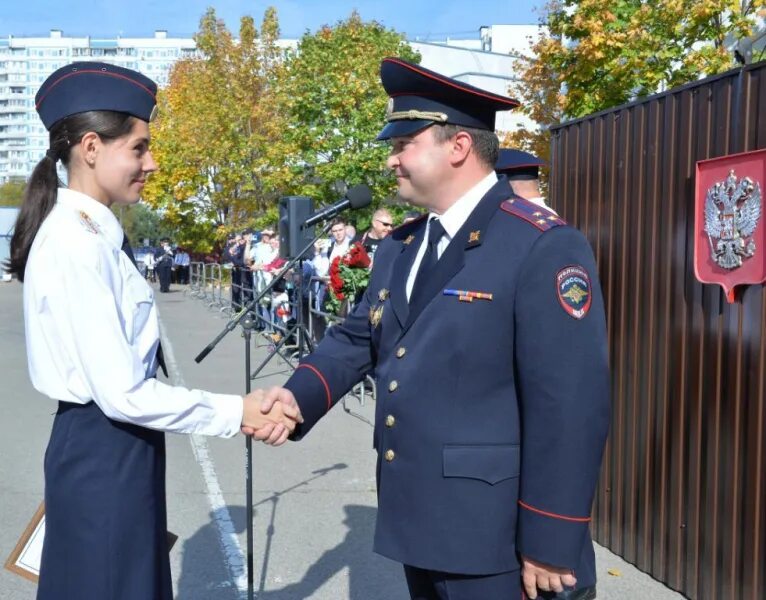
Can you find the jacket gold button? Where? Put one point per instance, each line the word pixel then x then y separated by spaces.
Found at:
pixel 401 351
pixel 390 421
pixel 390 455
pixel 393 385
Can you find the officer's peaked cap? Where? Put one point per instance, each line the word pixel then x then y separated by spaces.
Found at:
pixel 85 86
pixel 419 97
pixel 518 165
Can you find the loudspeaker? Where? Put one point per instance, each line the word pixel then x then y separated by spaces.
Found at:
pixel 293 212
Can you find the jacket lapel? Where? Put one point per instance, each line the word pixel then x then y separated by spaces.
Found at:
pixel 468 237
pixel 401 271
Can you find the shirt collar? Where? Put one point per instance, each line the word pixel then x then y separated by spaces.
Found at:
pixel 104 218
pixel 457 214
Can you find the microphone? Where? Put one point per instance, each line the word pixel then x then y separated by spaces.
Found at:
pixel 357 196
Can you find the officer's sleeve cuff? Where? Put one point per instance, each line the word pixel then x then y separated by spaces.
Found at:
pixel 312 392
pixel 551 538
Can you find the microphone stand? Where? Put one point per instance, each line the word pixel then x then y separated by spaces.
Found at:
pixel 245 319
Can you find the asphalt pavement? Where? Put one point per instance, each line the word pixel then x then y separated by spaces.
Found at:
pixel 314 501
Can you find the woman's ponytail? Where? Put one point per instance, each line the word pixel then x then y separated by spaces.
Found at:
pixel 39 200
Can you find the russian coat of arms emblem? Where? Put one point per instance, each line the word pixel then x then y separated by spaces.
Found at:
pixel 732 211
pixel 730 233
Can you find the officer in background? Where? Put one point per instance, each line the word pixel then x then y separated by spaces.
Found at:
pixel 484 323
pixel 164 264
pixel 522 170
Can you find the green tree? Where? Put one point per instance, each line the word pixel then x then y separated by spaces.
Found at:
pixel 330 92
pixel 213 127
pixel 597 54
pixel 12 193
pixel 140 222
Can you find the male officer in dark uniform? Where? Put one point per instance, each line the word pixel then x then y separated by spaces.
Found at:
pixel 484 324
pixel 164 264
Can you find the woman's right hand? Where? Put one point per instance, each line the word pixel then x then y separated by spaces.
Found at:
pixel 277 413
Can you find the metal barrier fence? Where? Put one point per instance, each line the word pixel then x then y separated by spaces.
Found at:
pixel 228 291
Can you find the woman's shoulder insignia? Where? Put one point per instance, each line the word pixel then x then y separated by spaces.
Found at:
pixel 88 223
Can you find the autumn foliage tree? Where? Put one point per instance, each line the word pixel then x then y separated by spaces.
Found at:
pixel 330 92
pixel 595 54
pixel 215 123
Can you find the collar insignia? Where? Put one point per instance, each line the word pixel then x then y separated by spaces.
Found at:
pixel 409 239
pixel 383 295
pixel 376 314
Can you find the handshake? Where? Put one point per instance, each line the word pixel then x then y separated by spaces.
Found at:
pixel 270 415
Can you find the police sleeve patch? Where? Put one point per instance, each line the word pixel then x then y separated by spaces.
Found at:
pixel 573 288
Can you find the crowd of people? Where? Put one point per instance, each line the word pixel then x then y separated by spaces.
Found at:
pixel 255 259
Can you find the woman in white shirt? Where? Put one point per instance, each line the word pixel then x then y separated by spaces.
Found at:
pixel 92 340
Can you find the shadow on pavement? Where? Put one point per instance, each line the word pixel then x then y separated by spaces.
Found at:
pixel 366 579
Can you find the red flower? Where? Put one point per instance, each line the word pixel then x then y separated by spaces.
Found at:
pixel 357 256
pixel 336 282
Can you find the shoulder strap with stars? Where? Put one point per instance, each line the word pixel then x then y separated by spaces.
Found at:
pixel 540 217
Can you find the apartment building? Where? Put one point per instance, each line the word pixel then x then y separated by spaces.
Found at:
pixel 26 62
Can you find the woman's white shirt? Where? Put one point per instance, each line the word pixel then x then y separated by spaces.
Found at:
pixel 92 328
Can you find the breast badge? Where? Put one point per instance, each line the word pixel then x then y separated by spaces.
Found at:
pixel 574 291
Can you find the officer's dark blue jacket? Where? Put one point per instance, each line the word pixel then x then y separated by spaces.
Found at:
pixel 492 414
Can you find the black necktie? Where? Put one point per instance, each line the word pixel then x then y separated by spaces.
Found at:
pixel 129 251
pixel 430 258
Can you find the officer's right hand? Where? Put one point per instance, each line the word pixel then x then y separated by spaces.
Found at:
pixel 276 434
pixel 279 420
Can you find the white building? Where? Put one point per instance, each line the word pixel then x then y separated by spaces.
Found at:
pixel 484 61
pixel 26 62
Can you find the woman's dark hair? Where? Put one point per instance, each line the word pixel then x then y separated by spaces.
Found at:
pixel 42 187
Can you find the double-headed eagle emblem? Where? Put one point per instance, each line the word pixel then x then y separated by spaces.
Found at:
pixel 732 210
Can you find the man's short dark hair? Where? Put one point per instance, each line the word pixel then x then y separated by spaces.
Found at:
pixel 338 221
pixel 485 142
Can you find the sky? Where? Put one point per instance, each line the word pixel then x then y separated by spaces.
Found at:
pixel 417 19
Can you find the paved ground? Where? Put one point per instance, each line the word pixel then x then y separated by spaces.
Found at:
pixel 314 500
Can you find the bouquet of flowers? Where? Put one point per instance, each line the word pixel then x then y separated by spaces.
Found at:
pixel 349 276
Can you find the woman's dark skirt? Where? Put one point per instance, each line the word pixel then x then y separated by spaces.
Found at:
pixel 105 519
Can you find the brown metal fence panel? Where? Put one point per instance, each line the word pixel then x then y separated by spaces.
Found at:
pixel 683 486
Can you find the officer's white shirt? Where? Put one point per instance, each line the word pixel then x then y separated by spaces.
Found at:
pixel 452 220
pixel 540 201
pixel 92 329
